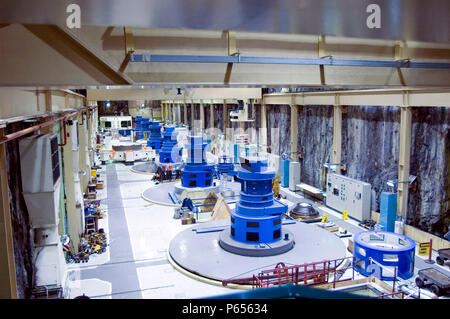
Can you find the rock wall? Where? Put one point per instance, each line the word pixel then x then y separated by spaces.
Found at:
pixel 428 204
pixel 278 129
pixel 206 112
pixel 22 237
pixel 370 148
pixel 218 116
pixel 315 142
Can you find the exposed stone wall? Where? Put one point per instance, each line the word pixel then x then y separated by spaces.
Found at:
pixel 429 196
pixel 278 129
pixel 370 145
pixel 22 236
pixel 315 142
pixel 218 116
pixel 370 148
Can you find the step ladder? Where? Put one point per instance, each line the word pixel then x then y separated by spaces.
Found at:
pixel 90 225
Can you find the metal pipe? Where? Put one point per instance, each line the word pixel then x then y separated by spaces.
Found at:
pixel 65 134
pixel 282 60
pixel 28 130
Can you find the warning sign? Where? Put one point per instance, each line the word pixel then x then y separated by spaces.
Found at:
pixel 424 248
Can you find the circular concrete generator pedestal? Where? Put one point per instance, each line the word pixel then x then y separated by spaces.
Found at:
pixel 197 250
pixel 145 168
pixel 258 250
pixel 160 194
pixel 179 189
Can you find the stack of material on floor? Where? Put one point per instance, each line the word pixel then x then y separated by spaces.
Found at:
pixel 189 220
pixel 100 184
pixel 92 195
pixel 221 210
pixel 330 226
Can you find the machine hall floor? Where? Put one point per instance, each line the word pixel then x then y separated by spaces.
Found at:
pixel 135 264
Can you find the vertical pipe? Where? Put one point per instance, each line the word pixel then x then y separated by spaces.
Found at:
pixel 404 157
pixel 173 112
pixel 211 115
pixel 263 129
pixel 431 248
pixel 202 116
pixel 225 118
pixel 211 125
pixel 192 116
pixel 185 113
pixel 337 133
pixel 294 132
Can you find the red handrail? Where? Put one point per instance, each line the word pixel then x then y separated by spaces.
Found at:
pixel 292 274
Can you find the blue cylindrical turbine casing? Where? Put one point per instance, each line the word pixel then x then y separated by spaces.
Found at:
pixel 257 217
pixel 155 138
pixel 170 151
pixel 197 172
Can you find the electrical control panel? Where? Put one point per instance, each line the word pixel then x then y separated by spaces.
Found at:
pixel 350 194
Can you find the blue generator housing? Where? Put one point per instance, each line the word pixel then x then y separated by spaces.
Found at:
pixel 155 138
pixel 170 151
pixel 384 254
pixel 257 217
pixel 142 126
pixel 225 166
pixel 197 172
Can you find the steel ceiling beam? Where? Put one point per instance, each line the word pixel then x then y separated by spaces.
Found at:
pixel 282 60
pixel 63 41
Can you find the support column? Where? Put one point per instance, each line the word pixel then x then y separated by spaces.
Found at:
pixel 337 133
pixel 294 133
pixel 185 113
pixel 211 127
pixel 263 129
pixel 179 113
pixel 48 108
pixel 92 136
pixel 83 151
pixel 192 115
pixel 74 224
pixel 164 112
pixel 404 157
pixel 202 116
pixel 8 287
pixel 225 118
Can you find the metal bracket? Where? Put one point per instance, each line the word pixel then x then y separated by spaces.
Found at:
pixel 129 40
pixel 399 51
pixel 232 49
